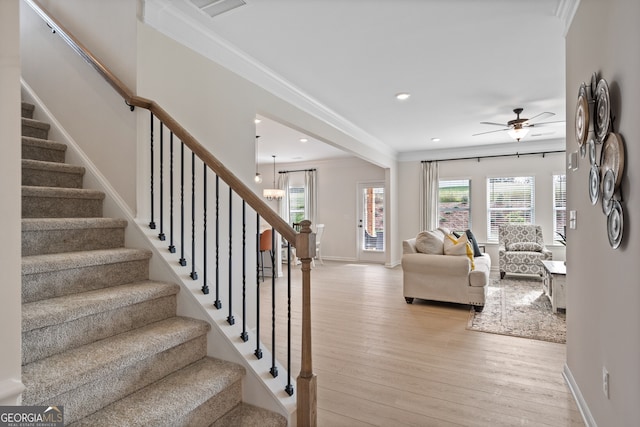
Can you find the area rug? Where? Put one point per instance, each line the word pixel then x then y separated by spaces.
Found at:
pixel 517 307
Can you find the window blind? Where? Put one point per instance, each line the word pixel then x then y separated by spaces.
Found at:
pixel 510 200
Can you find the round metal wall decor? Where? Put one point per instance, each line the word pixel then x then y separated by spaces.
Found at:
pixel 615 224
pixel 612 157
pixel 594 184
pixel 594 126
pixel 592 151
pixel 582 116
pixel 602 120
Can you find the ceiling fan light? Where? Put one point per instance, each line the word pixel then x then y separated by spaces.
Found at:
pixel 518 133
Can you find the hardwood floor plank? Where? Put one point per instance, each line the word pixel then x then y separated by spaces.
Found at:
pixel 383 362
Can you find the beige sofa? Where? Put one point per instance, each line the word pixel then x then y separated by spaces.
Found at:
pixel 439 277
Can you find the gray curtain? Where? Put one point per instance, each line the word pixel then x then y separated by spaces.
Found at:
pixel 310 196
pixel 429 196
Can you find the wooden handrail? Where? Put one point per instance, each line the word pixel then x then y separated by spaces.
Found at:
pixel 260 206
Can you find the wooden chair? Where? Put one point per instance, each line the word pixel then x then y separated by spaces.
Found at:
pixel 266 245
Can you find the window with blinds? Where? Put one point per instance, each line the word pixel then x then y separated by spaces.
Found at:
pixel 559 205
pixel 510 200
pixel 296 204
pixel 454 204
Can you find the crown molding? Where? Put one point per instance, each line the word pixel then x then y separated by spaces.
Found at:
pixel 565 11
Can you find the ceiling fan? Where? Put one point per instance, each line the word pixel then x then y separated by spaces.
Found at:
pixel 518 127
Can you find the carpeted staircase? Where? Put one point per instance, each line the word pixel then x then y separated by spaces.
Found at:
pixel 99 337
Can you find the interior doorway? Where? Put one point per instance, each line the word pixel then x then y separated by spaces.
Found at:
pixel 371 225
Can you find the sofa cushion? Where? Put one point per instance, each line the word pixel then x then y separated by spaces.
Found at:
pixel 525 246
pixel 474 243
pixel 430 242
pixel 459 246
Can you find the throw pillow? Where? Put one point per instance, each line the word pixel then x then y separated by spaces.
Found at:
pixel 474 243
pixel 525 246
pixel 459 246
pixel 430 242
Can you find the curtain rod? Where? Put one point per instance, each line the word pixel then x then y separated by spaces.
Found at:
pixel 543 153
pixel 298 170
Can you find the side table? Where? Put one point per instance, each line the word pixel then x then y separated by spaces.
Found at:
pixel 555 282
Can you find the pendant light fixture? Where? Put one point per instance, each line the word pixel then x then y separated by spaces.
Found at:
pixel 258 177
pixel 273 193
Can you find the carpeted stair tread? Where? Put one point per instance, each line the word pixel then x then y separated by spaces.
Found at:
pixel 173 400
pixel 47 378
pixel 45 224
pixel 54 235
pixel 27 110
pixel 65 261
pixel 66 193
pixel 43 149
pixel 246 415
pixel 35 128
pixel 55 311
pixel 51 174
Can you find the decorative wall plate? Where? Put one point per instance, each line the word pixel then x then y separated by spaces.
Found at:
pixel 615 224
pixel 602 119
pixel 594 184
pixel 591 147
pixel 608 185
pixel 607 206
pixel 612 157
pixel 583 150
pixel 594 83
pixel 582 116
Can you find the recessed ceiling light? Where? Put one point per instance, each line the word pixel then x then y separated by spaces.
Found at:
pixel 256 121
pixel 304 140
pixel 402 96
pixel 435 139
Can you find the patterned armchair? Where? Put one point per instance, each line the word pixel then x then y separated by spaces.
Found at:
pixel 521 248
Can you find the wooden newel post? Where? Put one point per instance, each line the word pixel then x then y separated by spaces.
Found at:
pixel 306 383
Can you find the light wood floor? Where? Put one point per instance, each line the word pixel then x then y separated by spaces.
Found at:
pixel 383 362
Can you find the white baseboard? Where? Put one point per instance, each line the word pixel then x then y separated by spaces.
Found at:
pixel 11 391
pixel 577 395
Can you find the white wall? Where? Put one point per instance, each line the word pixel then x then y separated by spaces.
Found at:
pixel 85 105
pixel 542 168
pixel 10 215
pixel 603 324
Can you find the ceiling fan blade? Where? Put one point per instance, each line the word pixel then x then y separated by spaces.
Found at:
pixel 491 131
pixel 544 123
pixel 494 124
pixel 541 116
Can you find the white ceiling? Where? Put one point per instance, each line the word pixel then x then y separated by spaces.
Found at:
pixel 462 61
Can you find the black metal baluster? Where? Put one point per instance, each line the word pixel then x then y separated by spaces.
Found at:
pixel 274 369
pixel 172 248
pixel 193 274
pixel 230 318
pixel 152 224
pixel 205 286
pixel 244 335
pixel 217 304
pixel 183 262
pixel 161 235
pixel 258 351
pixel 289 387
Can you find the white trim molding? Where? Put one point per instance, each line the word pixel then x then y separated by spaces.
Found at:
pixel 577 395
pixel 565 11
pixel 11 391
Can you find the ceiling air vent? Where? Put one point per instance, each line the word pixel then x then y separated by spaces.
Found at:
pixel 217 7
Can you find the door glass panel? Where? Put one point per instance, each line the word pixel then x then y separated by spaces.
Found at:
pixel 373 219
